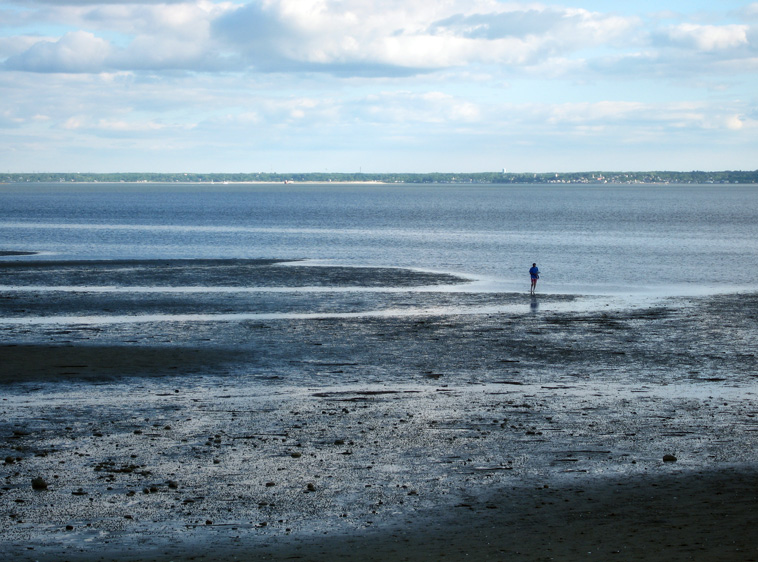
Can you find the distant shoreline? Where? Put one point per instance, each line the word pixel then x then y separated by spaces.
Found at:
pixel 503 177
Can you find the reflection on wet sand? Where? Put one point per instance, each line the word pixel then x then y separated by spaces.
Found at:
pixel 399 424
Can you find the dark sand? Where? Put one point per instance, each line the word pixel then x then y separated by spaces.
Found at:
pixel 538 433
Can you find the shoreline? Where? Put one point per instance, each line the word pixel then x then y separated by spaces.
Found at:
pixel 522 435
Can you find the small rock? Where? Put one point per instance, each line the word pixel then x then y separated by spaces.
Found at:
pixel 270 484
pixel 39 484
pixel 208 522
pixel 669 458
pixel 311 487
pixel 296 455
pixel 173 484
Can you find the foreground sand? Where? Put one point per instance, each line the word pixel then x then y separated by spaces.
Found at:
pixel 527 433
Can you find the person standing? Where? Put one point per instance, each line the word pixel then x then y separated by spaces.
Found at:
pixel 535 274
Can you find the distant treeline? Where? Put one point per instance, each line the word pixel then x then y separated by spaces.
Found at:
pixel 479 178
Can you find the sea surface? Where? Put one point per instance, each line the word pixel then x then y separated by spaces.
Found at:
pixel 665 240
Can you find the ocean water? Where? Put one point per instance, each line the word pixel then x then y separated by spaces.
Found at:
pixel 599 239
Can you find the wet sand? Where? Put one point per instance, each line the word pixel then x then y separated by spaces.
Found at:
pixel 534 434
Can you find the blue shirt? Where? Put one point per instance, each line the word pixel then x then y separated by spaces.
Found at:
pixel 535 273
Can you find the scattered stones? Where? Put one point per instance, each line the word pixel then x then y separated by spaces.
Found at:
pixel 39 484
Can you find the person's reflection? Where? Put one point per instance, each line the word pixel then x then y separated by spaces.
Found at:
pixel 535 304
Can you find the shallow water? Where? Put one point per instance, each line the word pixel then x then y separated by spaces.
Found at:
pixel 659 240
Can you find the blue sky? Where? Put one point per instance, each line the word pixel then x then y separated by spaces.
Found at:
pixel 391 86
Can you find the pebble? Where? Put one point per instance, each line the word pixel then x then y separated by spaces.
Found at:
pixel 669 458
pixel 39 484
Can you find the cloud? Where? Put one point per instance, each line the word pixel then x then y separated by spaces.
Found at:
pixel 708 37
pixel 11 46
pixel 102 2
pixel 225 80
pixel 353 38
pixel 127 36
pixel 644 119
pixel 409 35
pixel 77 51
pixel 750 11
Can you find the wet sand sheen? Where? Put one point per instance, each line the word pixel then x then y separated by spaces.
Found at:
pixel 518 435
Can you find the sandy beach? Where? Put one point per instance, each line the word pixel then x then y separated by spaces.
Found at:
pixel 259 410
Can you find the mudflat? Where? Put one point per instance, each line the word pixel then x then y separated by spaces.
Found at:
pixel 255 410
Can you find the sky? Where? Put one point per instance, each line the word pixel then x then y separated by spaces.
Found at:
pixel 377 86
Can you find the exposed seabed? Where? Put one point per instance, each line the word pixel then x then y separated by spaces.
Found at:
pixel 375 422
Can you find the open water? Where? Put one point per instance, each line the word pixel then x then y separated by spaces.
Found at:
pixel 599 239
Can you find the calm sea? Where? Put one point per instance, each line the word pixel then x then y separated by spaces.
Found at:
pixel 603 239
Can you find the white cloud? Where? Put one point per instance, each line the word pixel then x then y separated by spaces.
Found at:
pixel 129 36
pixel 750 11
pixel 77 51
pixel 734 122
pixel 12 46
pixel 355 38
pixel 708 37
pixel 227 79
pixel 410 35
